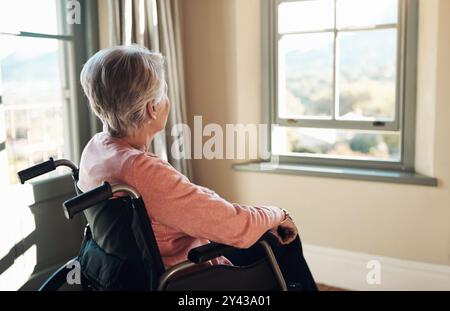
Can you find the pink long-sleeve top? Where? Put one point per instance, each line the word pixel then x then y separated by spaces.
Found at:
pixel 183 215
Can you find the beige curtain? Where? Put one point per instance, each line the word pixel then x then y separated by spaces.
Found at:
pixel 155 24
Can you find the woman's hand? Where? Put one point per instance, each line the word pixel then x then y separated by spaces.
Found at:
pixel 285 232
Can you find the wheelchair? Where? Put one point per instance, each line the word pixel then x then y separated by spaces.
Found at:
pixel 119 249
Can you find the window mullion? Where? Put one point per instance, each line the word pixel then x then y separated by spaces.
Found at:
pixel 339 124
pixel 346 29
pixel 37 35
pixel 334 106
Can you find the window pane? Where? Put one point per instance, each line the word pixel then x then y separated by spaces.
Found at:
pixel 33 101
pixel 31 16
pixel 3 156
pixel 343 144
pixel 305 15
pixel 364 13
pixel 367 74
pixel 305 80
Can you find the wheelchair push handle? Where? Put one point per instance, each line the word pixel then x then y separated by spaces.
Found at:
pixel 46 167
pixel 36 170
pixel 85 200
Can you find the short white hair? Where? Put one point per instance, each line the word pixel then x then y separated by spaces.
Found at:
pixel 119 82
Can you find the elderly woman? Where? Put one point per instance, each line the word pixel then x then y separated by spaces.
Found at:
pixel 126 89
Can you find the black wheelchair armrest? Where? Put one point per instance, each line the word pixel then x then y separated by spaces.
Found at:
pixel 208 251
pixel 213 250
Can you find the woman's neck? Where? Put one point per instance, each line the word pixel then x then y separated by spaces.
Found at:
pixel 140 140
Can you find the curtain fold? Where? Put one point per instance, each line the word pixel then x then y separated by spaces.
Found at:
pixel 156 25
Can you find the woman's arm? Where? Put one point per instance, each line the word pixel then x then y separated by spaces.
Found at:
pixel 171 199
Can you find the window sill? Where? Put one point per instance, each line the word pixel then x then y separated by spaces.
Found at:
pixel 399 177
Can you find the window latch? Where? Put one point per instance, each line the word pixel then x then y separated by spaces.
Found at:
pixel 379 123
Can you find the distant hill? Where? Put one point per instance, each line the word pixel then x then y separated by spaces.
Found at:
pixel 43 68
pixel 354 52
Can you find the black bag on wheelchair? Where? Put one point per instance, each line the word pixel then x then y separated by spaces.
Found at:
pixel 125 260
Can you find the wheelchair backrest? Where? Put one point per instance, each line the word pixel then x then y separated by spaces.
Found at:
pixel 122 253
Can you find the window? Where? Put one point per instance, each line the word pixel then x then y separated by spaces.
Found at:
pixel 38 83
pixel 340 78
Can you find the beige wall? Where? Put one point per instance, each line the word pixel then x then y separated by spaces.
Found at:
pixel 222 58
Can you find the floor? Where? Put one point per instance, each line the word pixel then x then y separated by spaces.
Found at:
pixel 323 287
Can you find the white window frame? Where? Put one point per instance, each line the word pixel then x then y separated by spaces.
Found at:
pixel 405 90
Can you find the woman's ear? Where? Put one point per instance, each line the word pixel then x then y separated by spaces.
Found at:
pixel 151 110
